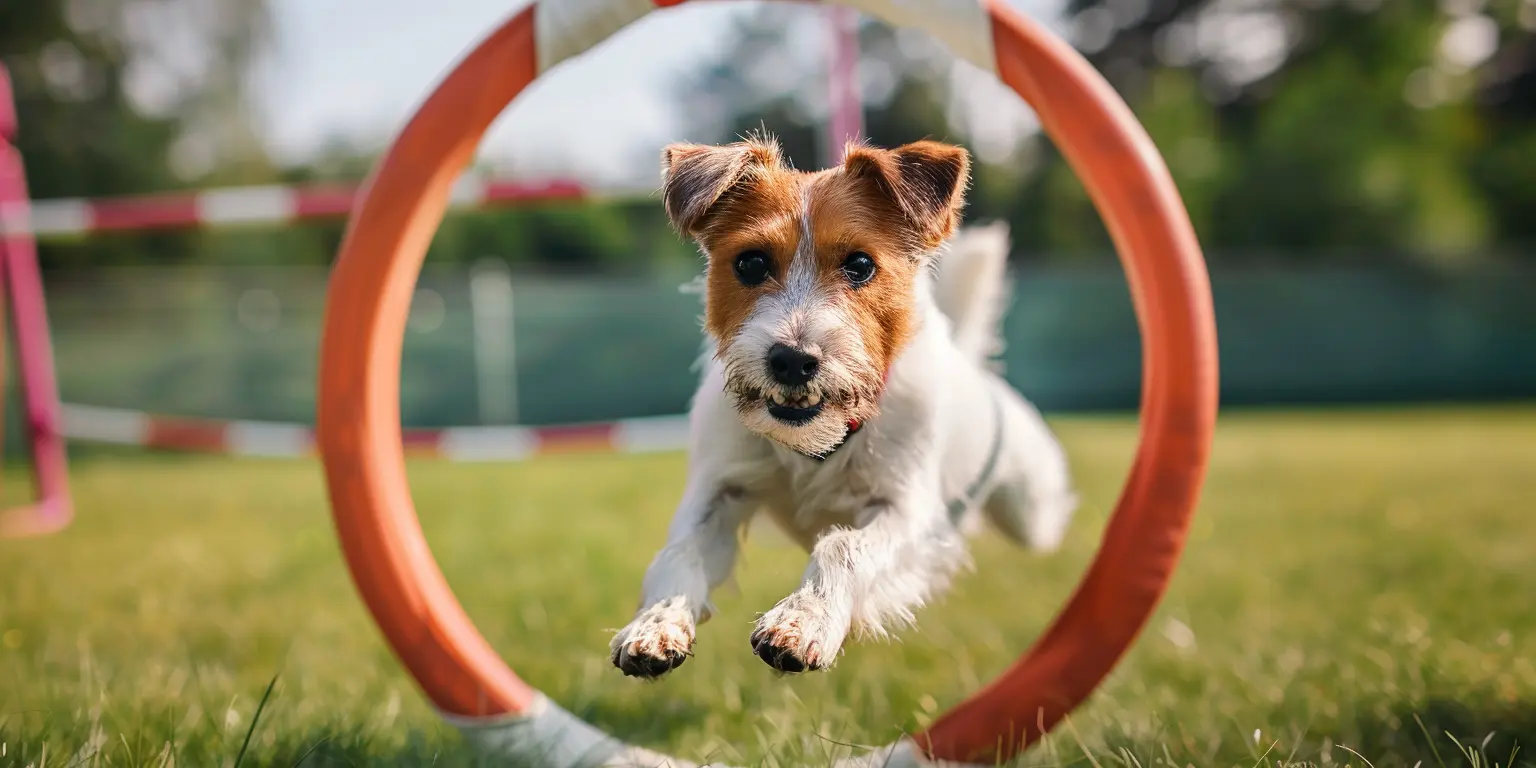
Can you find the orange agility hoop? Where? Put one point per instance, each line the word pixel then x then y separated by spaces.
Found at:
pixel 370 294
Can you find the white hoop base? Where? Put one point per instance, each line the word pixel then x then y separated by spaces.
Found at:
pixel 550 737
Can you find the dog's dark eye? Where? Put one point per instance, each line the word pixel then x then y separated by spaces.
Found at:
pixel 752 267
pixel 859 268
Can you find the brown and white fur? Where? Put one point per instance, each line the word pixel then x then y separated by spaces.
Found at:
pixel 905 354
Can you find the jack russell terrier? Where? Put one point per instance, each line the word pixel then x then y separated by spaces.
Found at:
pixel 848 394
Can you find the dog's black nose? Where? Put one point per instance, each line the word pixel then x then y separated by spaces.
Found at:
pixel 791 367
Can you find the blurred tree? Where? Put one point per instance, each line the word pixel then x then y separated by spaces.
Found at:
pixel 1295 129
pixel 130 96
pixel 138 96
pixel 766 82
pixel 1359 125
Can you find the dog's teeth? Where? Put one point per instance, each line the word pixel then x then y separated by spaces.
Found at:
pixel 777 398
pixel 812 399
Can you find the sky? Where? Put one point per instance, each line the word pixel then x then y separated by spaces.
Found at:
pixel 356 68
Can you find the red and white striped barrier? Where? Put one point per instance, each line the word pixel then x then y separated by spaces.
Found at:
pixel 265 205
pixel 119 426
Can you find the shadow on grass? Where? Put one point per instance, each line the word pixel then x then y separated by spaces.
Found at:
pixel 1471 731
pixel 633 722
pixel 1476 730
pixel 1440 733
pixel 330 748
pixel 351 746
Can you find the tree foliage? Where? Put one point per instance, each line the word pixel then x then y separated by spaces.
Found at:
pixel 1296 129
pixel 1394 127
pixel 106 108
pixel 1360 130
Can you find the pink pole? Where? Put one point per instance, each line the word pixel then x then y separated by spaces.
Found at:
pixel 846 121
pixel 34 349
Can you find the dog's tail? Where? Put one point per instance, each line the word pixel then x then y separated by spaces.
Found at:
pixel 972 287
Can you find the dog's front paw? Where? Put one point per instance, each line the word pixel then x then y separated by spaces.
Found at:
pixel 799 634
pixel 658 641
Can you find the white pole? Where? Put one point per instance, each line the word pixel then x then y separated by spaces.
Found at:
pixel 490 299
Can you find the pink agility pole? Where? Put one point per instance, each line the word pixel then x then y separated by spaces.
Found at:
pixel 845 122
pixel 23 286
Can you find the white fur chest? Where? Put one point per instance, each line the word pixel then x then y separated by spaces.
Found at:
pixel 860 479
pixel 818 494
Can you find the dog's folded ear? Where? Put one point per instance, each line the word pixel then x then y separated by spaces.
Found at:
pixel 696 176
pixel 925 179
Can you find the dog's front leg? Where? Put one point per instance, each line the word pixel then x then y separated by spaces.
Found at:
pixel 700 553
pixel 866 577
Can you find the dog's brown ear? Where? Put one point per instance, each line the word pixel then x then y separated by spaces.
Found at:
pixel 696 176
pixel 926 180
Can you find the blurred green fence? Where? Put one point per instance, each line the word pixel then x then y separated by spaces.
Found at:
pixel 241 342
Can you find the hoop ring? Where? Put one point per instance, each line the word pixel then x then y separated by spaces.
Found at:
pixel 369 297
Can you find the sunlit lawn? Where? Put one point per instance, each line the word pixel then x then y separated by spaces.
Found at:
pixel 1357 582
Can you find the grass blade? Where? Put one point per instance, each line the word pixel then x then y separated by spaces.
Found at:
pixel 256 718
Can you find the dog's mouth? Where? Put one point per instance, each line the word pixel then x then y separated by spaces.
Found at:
pixel 812 419
pixel 791 408
pixel 794 409
pixel 794 415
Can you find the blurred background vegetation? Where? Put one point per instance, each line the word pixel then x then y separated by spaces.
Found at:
pixel 1362 174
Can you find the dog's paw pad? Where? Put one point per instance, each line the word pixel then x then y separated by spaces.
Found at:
pixel 640 663
pixel 655 643
pixel 782 654
pixel 794 639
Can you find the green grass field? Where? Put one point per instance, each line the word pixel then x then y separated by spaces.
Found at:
pixel 1356 583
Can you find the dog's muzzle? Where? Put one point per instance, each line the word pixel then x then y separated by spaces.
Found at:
pixel 795 401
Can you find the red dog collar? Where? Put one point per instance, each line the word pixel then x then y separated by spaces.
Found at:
pixel 854 425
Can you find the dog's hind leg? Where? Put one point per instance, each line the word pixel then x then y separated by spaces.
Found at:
pixel 1028 518
pixel 1033 502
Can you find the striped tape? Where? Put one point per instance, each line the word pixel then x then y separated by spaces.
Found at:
pixel 236 206
pixel 121 426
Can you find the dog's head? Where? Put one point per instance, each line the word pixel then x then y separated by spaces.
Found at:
pixel 811 275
